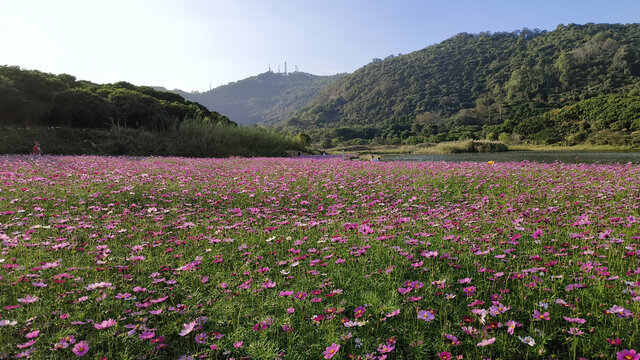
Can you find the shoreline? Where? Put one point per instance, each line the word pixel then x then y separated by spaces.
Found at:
pixel 422 149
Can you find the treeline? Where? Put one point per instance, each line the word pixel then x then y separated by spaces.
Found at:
pixel 70 116
pixel 485 85
pixel 34 98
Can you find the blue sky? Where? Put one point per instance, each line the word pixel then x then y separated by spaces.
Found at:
pixel 189 44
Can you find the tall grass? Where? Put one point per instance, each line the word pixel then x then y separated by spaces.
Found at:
pixel 192 138
pixel 465 146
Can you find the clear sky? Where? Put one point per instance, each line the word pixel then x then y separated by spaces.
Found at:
pixel 189 44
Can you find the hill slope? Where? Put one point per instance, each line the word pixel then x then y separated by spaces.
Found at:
pixel 267 98
pixel 69 116
pixel 34 98
pixel 481 85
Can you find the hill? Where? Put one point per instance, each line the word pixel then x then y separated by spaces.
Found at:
pixel 70 116
pixel 482 86
pixel 267 98
pixel 34 98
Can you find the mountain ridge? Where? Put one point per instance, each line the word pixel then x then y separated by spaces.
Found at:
pixel 475 86
pixel 265 99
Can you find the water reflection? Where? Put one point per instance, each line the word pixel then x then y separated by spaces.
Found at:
pixel 538 156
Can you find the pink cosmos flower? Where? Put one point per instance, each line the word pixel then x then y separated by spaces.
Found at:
pixel 393 313
pixel 540 316
pixel 201 338
pixel 188 328
pixel 444 355
pixel 146 335
pixel 27 344
pixel 32 334
pixel 81 348
pixel 614 342
pixel 486 342
pixel 105 324
pixel 575 331
pixel 511 326
pixel 28 299
pixel 238 344
pixel 385 348
pixel 331 350
pixel 574 320
pixel 627 355
pixel 425 315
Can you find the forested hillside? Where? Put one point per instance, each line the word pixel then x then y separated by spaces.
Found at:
pixel 70 116
pixel 267 98
pixel 490 85
pixel 34 98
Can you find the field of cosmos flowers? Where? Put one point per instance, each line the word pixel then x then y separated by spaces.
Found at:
pixel 175 258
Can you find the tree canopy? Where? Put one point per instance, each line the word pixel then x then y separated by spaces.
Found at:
pixel 483 85
pixel 34 98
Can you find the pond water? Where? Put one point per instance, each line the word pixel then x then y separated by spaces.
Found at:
pixel 538 156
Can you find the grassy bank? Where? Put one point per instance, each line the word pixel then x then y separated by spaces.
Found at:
pixel 191 139
pixel 451 147
pixel 581 148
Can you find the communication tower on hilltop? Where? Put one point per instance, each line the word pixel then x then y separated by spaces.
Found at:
pixel 269 68
pixel 296 66
pixel 285 68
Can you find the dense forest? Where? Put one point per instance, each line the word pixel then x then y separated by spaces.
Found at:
pixel 267 98
pixel 34 98
pixel 70 116
pixel 576 84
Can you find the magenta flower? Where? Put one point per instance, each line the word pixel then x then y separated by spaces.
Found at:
pixel 537 315
pixel 359 311
pixel 238 344
pixel 201 338
pixel 81 348
pixel 614 342
pixel 628 355
pixel 469 290
pixel 331 350
pixel 105 324
pixel 146 335
pixel 27 344
pixel 385 348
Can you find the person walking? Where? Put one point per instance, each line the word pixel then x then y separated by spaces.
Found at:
pixel 36 149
